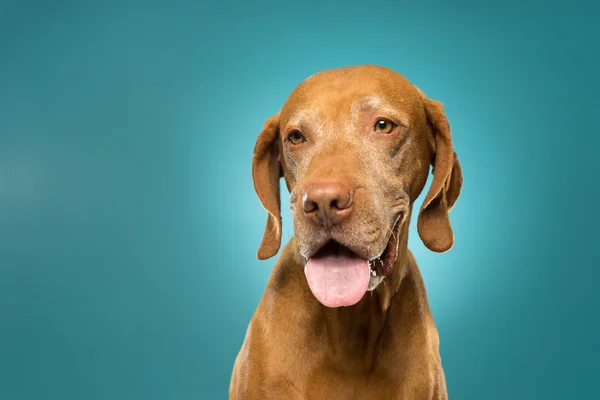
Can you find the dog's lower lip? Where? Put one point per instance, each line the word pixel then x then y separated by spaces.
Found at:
pixel 384 264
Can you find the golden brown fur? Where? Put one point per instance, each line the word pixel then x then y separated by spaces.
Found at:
pixel 385 346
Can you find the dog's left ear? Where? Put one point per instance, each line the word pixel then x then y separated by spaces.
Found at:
pixel 266 172
pixel 433 223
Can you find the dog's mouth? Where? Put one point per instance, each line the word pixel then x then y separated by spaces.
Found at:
pixel 337 276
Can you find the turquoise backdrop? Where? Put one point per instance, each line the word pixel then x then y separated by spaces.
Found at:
pixel 129 224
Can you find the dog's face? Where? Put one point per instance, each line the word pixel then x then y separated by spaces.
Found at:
pixel 355 146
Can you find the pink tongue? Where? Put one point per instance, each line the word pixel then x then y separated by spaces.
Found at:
pixel 337 277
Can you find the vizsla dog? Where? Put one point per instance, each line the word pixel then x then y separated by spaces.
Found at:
pixel 345 313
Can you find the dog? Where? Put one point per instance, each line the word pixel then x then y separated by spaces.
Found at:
pixel 345 313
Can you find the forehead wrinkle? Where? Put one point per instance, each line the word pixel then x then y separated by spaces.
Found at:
pixel 376 104
pixel 305 118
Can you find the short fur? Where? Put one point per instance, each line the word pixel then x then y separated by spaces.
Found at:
pixel 385 346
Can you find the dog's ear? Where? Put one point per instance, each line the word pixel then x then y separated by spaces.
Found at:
pixel 433 223
pixel 266 172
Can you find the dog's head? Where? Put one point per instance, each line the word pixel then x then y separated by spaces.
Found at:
pixel 355 146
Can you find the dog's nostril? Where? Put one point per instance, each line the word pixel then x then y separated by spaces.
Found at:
pixel 343 201
pixel 309 206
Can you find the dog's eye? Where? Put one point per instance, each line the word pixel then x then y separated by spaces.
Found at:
pixel 384 126
pixel 296 137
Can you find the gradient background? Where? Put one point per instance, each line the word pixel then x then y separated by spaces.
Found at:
pixel 129 224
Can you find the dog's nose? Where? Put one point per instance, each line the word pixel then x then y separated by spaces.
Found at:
pixel 327 203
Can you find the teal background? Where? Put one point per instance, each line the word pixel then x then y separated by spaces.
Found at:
pixel 129 225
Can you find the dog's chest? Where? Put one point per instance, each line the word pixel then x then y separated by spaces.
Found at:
pixel 325 384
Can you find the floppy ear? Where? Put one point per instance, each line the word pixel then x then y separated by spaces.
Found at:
pixel 266 172
pixel 433 223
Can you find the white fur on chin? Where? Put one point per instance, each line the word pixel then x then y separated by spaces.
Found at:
pixel 374 281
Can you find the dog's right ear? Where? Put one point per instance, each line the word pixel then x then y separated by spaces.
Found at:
pixel 266 172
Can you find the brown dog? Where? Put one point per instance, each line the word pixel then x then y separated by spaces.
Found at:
pixel 345 314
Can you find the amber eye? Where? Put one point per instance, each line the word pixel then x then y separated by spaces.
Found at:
pixel 384 126
pixel 296 137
